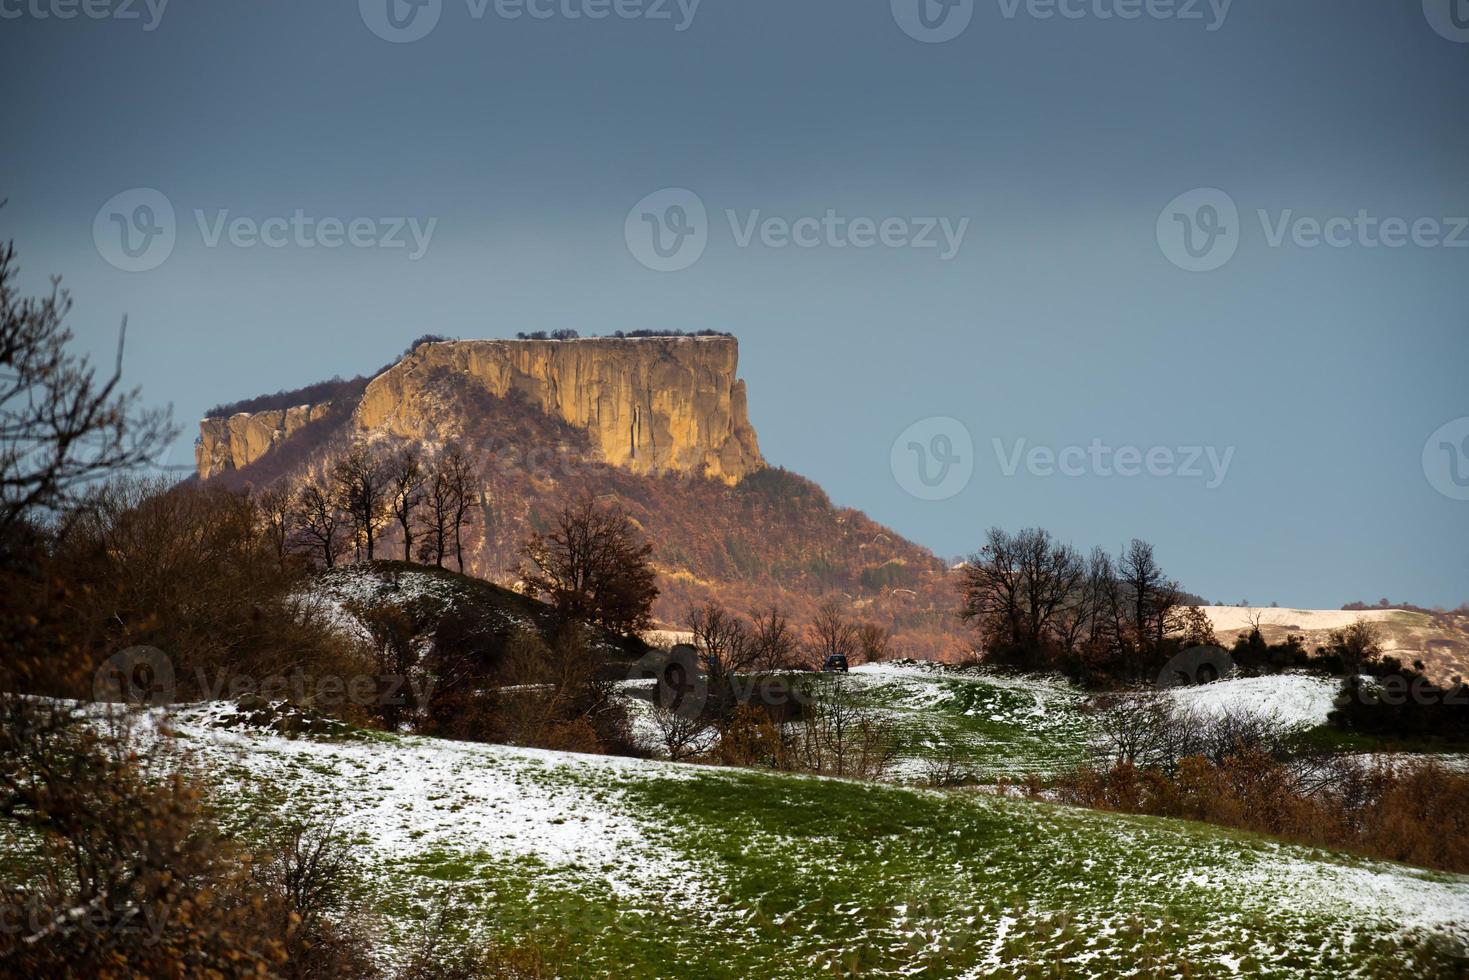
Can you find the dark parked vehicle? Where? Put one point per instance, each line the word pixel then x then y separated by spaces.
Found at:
pixel 835 662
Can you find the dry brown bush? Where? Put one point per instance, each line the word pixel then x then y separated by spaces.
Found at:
pixel 751 738
pixel 441 955
pixel 131 876
pixel 1411 811
pixel 193 572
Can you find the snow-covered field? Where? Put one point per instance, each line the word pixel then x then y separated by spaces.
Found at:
pixel 1297 700
pixel 734 873
pixel 988 723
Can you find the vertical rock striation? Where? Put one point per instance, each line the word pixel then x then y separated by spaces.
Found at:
pixel 239 440
pixel 651 405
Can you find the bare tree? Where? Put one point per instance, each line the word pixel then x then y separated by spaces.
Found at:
pixel 992 590
pixel 405 494
pixel 723 641
pixel 1020 591
pixel 873 643
pixel 1108 627
pixel 831 633
pixel 1084 619
pixel 839 734
pixel 773 641
pixel 680 733
pixel 276 507
pixel 60 425
pixel 463 490
pixel 1132 728
pixel 440 506
pixel 1150 595
pixel 593 567
pixel 361 484
pixel 317 523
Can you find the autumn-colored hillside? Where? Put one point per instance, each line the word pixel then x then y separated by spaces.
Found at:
pixel 774 538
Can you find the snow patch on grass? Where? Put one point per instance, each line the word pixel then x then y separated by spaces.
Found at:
pixel 1297 700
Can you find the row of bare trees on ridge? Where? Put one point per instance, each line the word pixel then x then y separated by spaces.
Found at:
pixel 430 500
pixel 1041 604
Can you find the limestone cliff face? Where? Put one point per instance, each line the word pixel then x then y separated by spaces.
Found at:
pixel 236 442
pixel 650 404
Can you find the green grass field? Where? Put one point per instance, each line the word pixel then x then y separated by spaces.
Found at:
pixel 630 868
pixel 982 724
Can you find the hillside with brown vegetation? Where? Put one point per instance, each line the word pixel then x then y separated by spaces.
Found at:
pixel 772 539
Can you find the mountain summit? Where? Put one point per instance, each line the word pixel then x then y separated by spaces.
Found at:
pixel 656 424
pixel 650 404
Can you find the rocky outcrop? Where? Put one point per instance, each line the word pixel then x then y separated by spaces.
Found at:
pixel 650 405
pixel 237 441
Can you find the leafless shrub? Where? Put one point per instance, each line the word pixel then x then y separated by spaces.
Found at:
pixel 1245 769
pixel 444 953
pixel 1149 729
pixel 310 875
pixel 838 734
pixel 133 877
pixel 774 642
pixel 681 734
pixel 947 768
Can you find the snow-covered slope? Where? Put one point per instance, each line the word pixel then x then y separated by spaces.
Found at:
pixel 1299 700
pixel 652 869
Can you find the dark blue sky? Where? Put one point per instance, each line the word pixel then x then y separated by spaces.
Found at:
pixel 1065 318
